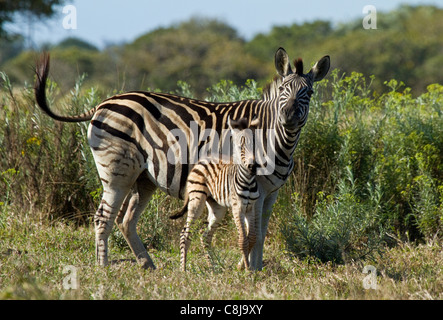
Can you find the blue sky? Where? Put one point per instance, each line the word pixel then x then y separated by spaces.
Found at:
pixel 103 22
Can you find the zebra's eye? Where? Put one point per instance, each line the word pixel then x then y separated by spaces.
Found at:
pixel 281 88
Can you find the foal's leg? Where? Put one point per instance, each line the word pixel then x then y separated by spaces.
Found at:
pixel 216 214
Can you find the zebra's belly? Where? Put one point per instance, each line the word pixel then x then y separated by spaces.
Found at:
pixel 169 178
pixel 118 156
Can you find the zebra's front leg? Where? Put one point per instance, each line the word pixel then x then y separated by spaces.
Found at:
pixel 251 224
pixel 252 227
pixel 216 214
pixel 263 211
pixel 184 246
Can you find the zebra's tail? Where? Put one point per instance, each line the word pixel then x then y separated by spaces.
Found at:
pixel 182 211
pixel 42 72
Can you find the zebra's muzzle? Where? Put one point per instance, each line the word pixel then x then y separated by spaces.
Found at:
pixel 290 115
pixel 252 167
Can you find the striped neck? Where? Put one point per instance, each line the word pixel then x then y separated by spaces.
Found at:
pixel 285 140
pixel 245 182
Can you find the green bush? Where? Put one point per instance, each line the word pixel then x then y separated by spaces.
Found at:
pixel 343 228
pixel 45 165
pixel 227 91
pixel 392 142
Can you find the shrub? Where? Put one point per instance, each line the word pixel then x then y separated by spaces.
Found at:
pixel 343 227
pixel 51 161
pixel 392 142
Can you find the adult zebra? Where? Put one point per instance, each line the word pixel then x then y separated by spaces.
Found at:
pixel 144 140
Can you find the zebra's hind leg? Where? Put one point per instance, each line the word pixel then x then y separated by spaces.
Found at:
pixel 135 203
pixel 195 208
pixel 104 219
pixel 216 214
pixel 117 181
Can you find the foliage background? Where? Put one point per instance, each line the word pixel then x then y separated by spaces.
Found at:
pixel 407 46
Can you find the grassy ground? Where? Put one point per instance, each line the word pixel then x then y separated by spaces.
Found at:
pixel 35 260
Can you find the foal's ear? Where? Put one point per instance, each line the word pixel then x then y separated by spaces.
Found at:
pixel 240 124
pixel 254 122
pixel 230 123
pixel 282 64
pixel 234 124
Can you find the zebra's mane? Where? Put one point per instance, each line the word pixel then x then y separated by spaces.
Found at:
pixel 271 90
pixel 298 63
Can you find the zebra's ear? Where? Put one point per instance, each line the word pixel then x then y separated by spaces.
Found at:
pixel 231 124
pixel 321 68
pixel 254 122
pixel 282 64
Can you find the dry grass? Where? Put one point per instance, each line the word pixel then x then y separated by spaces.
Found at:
pixel 33 257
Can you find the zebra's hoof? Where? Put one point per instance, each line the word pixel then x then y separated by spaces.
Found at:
pixel 147 264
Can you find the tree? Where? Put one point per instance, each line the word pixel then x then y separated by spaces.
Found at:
pixel 199 51
pixel 402 47
pixel 76 43
pixel 10 10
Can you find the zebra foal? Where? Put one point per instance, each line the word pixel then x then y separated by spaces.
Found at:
pixel 224 185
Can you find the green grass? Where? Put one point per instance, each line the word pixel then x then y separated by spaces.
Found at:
pixel 33 256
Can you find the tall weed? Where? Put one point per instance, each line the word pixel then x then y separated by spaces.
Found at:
pixel 52 170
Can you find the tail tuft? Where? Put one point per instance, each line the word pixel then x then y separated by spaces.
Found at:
pixel 42 72
pixel 182 211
